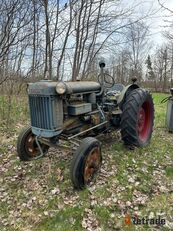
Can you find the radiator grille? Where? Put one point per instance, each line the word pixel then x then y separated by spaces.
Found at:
pixel 42 111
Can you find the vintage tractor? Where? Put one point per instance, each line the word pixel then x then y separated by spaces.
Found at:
pixel 75 113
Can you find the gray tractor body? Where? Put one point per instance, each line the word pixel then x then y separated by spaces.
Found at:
pixel 47 106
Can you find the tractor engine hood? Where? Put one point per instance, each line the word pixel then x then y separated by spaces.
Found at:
pixel 48 87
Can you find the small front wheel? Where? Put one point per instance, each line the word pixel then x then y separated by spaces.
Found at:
pixel 27 148
pixel 86 162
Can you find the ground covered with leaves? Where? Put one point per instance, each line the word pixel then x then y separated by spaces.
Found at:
pixel 39 195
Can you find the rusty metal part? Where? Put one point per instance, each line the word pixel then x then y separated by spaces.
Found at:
pixel 71 123
pixel 92 164
pixel 85 127
pixel 95 119
pixel 53 145
pixel 30 146
pixel 61 143
pixel 34 149
pixel 81 133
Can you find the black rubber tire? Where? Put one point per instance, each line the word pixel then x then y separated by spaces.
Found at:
pixel 78 162
pixel 21 145
pixel 129 118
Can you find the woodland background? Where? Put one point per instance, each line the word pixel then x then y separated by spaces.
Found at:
pixel 64 40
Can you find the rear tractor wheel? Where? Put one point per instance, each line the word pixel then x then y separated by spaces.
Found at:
pixel 137 118
pixel 86 163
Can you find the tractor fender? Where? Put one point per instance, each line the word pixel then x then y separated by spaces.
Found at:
pixel 125 92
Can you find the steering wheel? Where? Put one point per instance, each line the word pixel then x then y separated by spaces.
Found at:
pixel 108 80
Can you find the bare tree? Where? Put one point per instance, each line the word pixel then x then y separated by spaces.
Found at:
pixel 66 37
pixel 138 46
pixel 14 18
pixel 162 67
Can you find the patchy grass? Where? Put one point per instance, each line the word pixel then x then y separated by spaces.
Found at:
pixel 13 111
pixel 39 195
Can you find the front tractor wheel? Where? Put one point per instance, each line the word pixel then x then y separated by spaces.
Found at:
pixel 27 147
pixel 137 118
pixel 86 163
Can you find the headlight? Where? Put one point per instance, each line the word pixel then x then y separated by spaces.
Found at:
pixel 60 88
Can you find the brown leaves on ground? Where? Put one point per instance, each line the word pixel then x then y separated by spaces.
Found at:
pixel 90 221
pixel 33 192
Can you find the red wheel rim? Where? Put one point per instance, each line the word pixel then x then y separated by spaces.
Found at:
pixel 144 125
